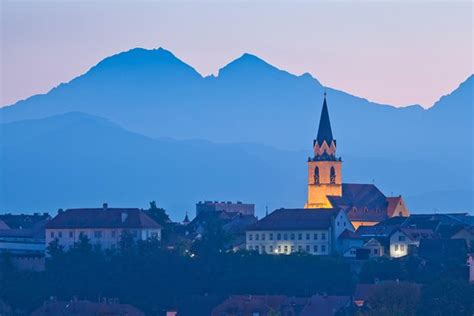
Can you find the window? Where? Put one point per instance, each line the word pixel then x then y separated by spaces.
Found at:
pixel 60 234
pixel 292 236
pixel 257 237
pixel 286 249
pixel 323 248
pixel 71 234
pixel 338 224
pixel 307 248
pixel 97 233
pixel 278 236
pixel 323 236
pixel 250 237
pixel 396 247
pixel 292 248
pixel 332 175
pixel 279 249
pixel 366 209
pixel 376 251
pixel 315 248
pixel 344 223
pixel 52 234
pixel 263 236
pixel 256 249
pixel 300 248
pixel 315 236
pixel 83 234
pixel 401 238
pixel 316 175
pixel 308 236
pixel 402 247
pixel 271 248
pixel 300 236
pixel 270 236
pixel 285 236
pixel 263 248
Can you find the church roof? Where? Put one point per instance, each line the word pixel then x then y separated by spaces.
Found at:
pixel 296 219
pixel 324 130
pixel 362 202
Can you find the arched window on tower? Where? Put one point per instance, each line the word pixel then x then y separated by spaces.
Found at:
pixel 316 175
pixel 333 175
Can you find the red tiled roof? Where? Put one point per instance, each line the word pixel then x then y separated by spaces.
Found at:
pixel 325 305
pixel 392 204
pixel 296 219
pixel 86 308
pixel 248 304
pixel 102 218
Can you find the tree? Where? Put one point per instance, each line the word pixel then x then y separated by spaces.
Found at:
pixel 158 214
pixel 213 241
pixel 446 297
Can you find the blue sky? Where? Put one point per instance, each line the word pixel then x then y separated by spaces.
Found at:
pixel 398 53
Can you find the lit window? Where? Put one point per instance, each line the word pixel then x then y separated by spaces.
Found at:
pixel 333 175
pixel 286 249
pixel 402 247
pixel 279 248
pixel 292 248
pixel 396 247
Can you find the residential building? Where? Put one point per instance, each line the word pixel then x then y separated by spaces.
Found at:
pixel 110 307
pixel 228 207
pixel 325 305
pixel 404 240
pixel 249 305
pixel 103 226
pixel 365 204
pixel 286 231
pixel 23 233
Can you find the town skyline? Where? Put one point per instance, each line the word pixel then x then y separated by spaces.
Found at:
pixel 334 52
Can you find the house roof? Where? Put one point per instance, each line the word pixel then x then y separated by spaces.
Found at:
pixel 393 202
pixel 85 308
pixel 102 218
pixel 347 234
pixel 362 202
pixel 248 304
pixel 323 305
pixel 23 221
pixel 296 219
pixel 416 234
pixel 3 225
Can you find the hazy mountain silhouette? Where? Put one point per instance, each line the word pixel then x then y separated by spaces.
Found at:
pixel 153 93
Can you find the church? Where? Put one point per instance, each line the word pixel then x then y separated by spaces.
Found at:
pixel 364 204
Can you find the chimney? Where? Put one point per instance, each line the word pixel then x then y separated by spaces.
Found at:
pixel 124 216
pixel 60 211
pixel 105 206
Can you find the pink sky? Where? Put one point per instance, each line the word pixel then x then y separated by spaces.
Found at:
pixel 398 53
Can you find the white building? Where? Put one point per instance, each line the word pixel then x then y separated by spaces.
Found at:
pixel 402 240
pixel 103 226
pixel 285 231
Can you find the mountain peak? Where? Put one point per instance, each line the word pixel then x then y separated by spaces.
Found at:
pixel 247 63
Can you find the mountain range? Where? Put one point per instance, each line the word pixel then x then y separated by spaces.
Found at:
pixel 143 125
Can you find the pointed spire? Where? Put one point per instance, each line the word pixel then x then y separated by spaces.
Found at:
pixel 324 130
pixel 186 219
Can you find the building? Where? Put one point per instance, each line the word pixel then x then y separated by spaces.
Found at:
pixel 74 307
pixel 364 203
pixel 103 226
pixel 228 207
pixel 286 231
pixel 404 241
pixel 325 305
pixel 23 234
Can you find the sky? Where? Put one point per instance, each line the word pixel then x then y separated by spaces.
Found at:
pixel 398 53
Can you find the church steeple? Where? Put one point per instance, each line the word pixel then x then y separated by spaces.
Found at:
pixel 324 130
pixel 324 145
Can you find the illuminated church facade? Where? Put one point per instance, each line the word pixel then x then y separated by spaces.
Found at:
pixel 364 204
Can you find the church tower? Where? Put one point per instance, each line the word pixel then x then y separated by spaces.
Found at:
pixel 324 168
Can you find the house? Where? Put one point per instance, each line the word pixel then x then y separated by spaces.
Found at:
pixel 102 226
pixel 466 233
pixel 365 204
pixel 375 247
pixel 229 207
pixel 86 308
pixel 324 305
pixel 349 241
pixel 286 231
pixel 365 292
pixel 249 305
pixel 23 233
pixel 404 240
